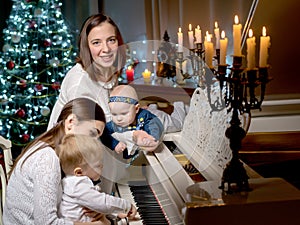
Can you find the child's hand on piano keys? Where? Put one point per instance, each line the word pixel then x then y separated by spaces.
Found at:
pixel 132 212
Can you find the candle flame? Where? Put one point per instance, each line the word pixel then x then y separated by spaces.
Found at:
pixel 179 30
pixel 264 31
pixel 146 71
pixel 129 67
pixel 216 24
pixel 198 27
pixel 236 19
pixel 250 33
pixel 223 34
pixel 190 27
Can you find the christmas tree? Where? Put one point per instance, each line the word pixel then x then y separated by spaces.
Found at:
pixel 38 50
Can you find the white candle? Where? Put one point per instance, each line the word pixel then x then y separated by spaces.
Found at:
pixel 180 40
pixel 198 34
pixel 237 31
pixel 251 50
pixel 191 37
pixel 209 50
pixel 217 35
pixel 223 48
pixel 264 46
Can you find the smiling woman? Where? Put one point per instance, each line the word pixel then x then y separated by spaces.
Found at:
pixel 101 58
pixel 103 45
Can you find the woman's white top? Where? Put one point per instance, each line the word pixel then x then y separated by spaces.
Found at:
pixel 34 190
pixel 77 83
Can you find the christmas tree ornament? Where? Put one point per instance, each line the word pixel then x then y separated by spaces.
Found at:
pixel 54 62
pixel 20 113
pixel 36 54
pixel 55 85
pixel 15 38
pixel 38 12
pixel 25 138
pixel 22 84
pixel 38 87
pixel 6 48
pixel 47 43
pixel 45 111
pixel 10 65
pixel 31 24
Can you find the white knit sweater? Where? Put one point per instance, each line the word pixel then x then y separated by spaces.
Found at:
pixel 34 191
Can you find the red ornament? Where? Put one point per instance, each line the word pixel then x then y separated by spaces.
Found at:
pixel 47 43
pixel 38 87
pixel 55 85
pixel 10 65
pixel 25 138
pixel 31 24
pixel 21 113
pixel 23 84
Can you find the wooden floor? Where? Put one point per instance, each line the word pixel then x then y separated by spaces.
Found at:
pixel 273 154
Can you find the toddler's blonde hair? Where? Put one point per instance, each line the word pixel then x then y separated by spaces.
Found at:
pixel 77 150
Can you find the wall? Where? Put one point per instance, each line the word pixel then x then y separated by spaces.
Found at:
pixel 280 19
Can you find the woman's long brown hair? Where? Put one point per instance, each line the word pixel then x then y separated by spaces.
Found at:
pixel 84 109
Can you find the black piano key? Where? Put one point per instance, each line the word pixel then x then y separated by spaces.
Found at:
pixel 148 206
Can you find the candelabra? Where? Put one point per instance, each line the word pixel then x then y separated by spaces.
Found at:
pixel 239 98
pixel 197 63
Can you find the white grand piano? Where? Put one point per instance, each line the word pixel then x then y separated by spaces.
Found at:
pixel 178 183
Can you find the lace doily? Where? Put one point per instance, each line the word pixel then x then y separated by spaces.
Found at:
pixel 203 134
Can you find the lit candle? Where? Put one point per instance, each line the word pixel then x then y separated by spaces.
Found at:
pixel 209 50
pixel 191 37
pixel 217 34
pixel 264 46
pixel 223 48
pixel 198 34
pixel 251 50
pixel 180 40
pixel 146 75
pixel 237 29
pixel 130 73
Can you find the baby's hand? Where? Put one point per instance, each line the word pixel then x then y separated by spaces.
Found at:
pixel 131 214
pixel 120 147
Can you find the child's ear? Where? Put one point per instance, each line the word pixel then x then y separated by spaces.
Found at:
pixel 70 121
pixel 78 171
pixel 137 107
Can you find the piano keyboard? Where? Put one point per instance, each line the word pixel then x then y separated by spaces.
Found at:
pixel 142 197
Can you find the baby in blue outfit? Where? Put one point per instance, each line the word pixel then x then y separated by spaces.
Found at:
pixel 127 116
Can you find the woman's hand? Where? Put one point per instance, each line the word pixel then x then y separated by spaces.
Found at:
pixel 144 140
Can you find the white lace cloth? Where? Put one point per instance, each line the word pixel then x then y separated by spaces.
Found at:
pixel 203 134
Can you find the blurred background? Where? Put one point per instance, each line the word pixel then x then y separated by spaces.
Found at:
pixel 149 19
